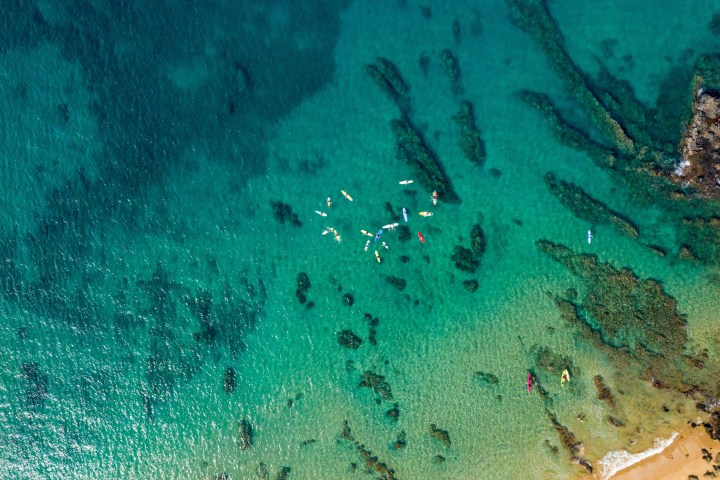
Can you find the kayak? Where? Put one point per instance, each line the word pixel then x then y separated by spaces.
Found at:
pixel 421 238
pixel 565 377
pixel 529 382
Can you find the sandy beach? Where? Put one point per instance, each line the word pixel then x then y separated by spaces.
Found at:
pixel 682 458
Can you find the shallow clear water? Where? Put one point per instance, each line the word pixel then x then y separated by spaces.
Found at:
pixel 142 147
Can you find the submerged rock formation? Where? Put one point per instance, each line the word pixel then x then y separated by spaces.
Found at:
pixel 282 213
pixel 377 383
pixel 568 440
pixel 452 69
pixel 471 142
pixel 465 259
pixel 585 207
pixel 372 462
pixel 566 133
pixel 348 339
pixel 533 17
pixel 699 165
pixel 440 434
pixel 246 434
pixel 372 331
pixel 411 148
pixel 626 311
pixel 388 78
pixel 229 380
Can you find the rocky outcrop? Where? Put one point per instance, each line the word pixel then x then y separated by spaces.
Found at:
pixel 699 165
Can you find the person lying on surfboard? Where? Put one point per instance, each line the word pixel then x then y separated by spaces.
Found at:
pixel 564 378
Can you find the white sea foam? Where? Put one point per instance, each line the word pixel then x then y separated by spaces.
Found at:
pixel 618 460
pixel 680 168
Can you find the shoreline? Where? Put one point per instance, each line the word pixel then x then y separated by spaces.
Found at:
pixel 681 457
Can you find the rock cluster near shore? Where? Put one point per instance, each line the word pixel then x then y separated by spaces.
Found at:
pixel 700 148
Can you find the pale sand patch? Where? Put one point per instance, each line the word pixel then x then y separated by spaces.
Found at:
pixel 681 458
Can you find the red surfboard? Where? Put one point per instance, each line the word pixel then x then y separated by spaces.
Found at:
pixel 420 236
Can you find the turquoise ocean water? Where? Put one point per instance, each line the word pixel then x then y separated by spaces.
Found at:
pixel 143 144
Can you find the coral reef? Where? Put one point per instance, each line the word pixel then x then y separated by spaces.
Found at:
pixel 36 385
pixel 552 362
pixel 566 133
pixel 394 412
pixel 603 392
pixel 477 240
pixel 401 441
